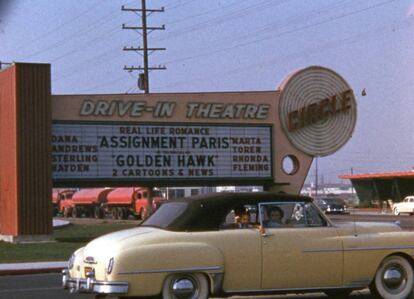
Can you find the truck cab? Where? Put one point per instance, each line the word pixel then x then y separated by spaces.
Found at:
pixel 141 201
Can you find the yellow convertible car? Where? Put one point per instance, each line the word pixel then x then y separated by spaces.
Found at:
pixel 245 243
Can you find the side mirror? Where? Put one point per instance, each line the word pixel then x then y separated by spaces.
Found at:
pixel 262 230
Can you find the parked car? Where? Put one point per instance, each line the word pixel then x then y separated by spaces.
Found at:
pixel 321 204
pixel 332 205
pixel 191 248
pixel 406 206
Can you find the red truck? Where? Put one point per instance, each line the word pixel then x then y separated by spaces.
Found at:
pixel 62 201
pixel 123 202
pixel 90 202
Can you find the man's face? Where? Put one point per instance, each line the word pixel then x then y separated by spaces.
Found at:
pixel 275 216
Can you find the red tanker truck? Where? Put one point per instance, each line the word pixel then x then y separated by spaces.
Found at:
pixel 62 201
pixel 123 202
pixel 90 202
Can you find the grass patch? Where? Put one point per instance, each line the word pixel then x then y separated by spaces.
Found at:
pixel 68 239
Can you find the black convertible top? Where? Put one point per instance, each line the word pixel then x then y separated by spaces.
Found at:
pixel 207 212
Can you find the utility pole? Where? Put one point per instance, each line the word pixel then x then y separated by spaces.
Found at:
pixel 316 178
pixel 352 187
pixel 143 78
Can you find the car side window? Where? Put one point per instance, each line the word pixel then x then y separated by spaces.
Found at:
pixel 274 215
pixel 294 214
pixel 313 218
pixel 241 216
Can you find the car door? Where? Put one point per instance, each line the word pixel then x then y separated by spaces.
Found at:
pixel 303 252
pixel 410 205
pixel 404 206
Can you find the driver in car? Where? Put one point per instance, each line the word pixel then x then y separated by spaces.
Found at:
pixel 275 215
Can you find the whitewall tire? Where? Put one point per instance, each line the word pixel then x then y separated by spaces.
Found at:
pixel 394 279
pixel 185 286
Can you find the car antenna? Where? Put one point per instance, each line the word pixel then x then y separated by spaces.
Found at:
pixel 353 208
pixel 354 217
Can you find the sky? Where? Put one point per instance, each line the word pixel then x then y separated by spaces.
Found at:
pixel 236 45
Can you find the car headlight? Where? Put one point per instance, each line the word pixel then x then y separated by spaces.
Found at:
pixel 71 261
pixel 110 266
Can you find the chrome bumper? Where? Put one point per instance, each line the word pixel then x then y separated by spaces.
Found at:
pixel 90 285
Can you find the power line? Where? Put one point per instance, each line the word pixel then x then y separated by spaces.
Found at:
pixel 92 41
pixel 239 45
pixel 198 15
pixel 332 44
pixel 57 28
pixel 293 20
pixel 76 34
pixel 106 83
pixel 220 19
pixel 179 5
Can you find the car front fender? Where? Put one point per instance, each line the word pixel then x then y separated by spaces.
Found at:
pixel 146 267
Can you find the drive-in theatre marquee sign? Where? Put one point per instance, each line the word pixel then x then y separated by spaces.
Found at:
pixel 125 151
pixel 194 138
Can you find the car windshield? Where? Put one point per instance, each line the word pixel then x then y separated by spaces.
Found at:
pixel 166 215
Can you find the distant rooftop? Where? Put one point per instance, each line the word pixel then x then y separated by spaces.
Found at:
pixel 383 175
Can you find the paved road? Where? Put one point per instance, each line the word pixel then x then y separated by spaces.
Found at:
pixel 34 286
pixel 42 286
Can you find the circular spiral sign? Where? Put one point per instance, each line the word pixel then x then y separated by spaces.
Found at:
pixel 317 110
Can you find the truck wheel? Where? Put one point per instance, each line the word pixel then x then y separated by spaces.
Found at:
pixel 114 213
pixel 98 213
pixel 67 212
pixel 394 279
pixel 121 213
pixel 75 212
pixel 143 214
pixel 185 285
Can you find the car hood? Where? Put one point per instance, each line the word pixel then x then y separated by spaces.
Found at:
pixel 397 204
pixel 108 244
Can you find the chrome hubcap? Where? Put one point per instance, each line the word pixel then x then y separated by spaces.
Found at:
pixel 394 278
pixel 184 288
